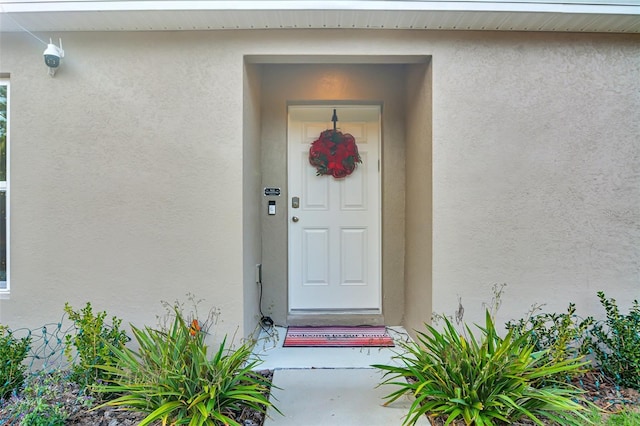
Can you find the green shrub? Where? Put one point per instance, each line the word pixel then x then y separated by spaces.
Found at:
pixel 172 378
pixel 13 351
pixel 616 343
pixel 560 335
pixel 626 417
pixel 92 343
pixel 483 381
pixel 39 403
pixel 44 414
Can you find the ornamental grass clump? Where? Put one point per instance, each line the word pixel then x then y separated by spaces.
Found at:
pixel 487 380
pixel 172 378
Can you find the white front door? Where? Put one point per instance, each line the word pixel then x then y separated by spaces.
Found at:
pixel 334 224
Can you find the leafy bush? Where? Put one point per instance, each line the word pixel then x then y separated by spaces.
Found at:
pixel 44 414
pixel 616 343
pixel 172 378
pixel 561 335
pixel 39 404
pixel 13 351
pixel 482 381
pixel 92 343
pixel 626 417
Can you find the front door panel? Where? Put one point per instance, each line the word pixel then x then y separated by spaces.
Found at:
pixel 334 233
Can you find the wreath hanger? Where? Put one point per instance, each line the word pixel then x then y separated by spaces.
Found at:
pixel 334 153
pixel 335 121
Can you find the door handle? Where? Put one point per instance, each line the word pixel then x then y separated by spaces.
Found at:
pixel 295 218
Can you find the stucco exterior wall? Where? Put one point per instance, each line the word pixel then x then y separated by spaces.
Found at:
pixel 251 191
pixel 419 198
pixel 126 177
pixel 536 182
pixel 128 169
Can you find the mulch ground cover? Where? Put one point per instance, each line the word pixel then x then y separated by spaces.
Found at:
pixel 69 396
pixel 599 390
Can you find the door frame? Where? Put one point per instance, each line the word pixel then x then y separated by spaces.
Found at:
pixel 378 210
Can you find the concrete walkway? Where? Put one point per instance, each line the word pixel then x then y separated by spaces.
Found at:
pixel 329 386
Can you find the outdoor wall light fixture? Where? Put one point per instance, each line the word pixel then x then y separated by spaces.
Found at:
pixel 52 57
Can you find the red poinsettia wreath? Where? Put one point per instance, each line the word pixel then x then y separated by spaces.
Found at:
pixel 334 153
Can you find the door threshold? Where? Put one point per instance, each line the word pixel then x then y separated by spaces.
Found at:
pixel 318 318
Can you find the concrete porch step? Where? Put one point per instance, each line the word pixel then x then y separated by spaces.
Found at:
pixel 326 397
pixel 329 386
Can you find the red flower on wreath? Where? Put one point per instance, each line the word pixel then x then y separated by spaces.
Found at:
pixel 334 153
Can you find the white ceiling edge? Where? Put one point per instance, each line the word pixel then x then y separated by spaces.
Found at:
pixel 227 2
pixel 338 59
pixel 618 7
pixel 613 16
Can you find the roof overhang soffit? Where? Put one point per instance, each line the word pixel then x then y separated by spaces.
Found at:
pixel 145 15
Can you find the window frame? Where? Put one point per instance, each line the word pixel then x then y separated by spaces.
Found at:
pixel 4 187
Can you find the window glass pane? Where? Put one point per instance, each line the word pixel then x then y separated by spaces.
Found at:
pixel 3 185
pixel 3 240
pixel 3 132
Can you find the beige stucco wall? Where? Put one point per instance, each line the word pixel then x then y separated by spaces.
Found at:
pixel 251 189
pixel 536 184
pixel 419 198
pixel 132 169
pixel 126 176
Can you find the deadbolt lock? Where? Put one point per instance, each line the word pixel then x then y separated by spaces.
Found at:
pixel 295 202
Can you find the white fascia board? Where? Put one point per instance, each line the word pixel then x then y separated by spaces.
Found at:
pixel 617 7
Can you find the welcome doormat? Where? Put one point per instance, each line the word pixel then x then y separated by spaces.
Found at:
pixel 338 336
